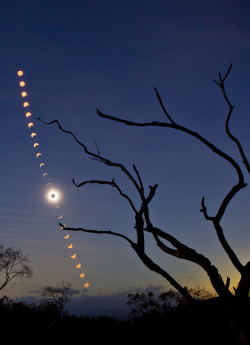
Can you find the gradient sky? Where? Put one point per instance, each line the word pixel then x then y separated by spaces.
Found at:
pixel 81 55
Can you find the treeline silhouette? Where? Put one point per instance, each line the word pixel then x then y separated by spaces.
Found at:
pixel 204 323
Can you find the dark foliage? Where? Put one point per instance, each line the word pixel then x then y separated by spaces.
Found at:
pixel 205 324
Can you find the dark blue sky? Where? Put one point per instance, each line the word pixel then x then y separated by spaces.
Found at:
pixel 81 55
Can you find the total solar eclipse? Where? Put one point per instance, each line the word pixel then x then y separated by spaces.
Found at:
pixel 53 195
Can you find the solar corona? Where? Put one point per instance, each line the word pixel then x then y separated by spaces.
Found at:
pixel 53 195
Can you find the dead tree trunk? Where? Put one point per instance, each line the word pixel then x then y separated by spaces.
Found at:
pixel 236 302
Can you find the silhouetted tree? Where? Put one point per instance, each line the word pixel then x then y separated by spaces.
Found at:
pixel 147 303
pixel 13 264
pixel 237 301
pixel 57 296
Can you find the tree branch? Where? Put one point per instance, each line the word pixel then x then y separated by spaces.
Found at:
pixel 231 107
pixel 139 179
pixel 232 192
pixel 111 183
pixel 145 259
pixel 96 156
pixel 182 129
pixel 184 252
pixel 180 250
pixel 99 232
pixel 236 188
pixel 162 106
pixel 154 267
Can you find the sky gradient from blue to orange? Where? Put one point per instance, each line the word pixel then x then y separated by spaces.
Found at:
pixel 81 55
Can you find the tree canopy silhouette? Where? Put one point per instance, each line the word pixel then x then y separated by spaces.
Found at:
pixel 13 264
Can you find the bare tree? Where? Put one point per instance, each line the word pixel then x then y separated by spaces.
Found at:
pixel 13 264
pixel 236 301
pixel 56 296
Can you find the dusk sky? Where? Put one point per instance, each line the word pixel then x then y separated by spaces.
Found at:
pixel 81 55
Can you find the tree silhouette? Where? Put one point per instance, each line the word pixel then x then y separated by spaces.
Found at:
pixel 236 301
pixel 13 264
pixel 148 303
pixel 56 296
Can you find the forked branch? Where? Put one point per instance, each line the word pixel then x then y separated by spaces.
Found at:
pixel 233 191
pixel 142 218
pixel 138 246
pixel 231 107
pixel 142 255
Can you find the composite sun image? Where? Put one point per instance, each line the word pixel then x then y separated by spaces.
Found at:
pixel 124 204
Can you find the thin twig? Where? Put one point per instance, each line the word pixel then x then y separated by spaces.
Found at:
pixel 98 151
pixel 162 106
pixel 139 178
pixel 96 156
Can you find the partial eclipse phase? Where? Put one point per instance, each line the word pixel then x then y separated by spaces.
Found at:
pixel 51 195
